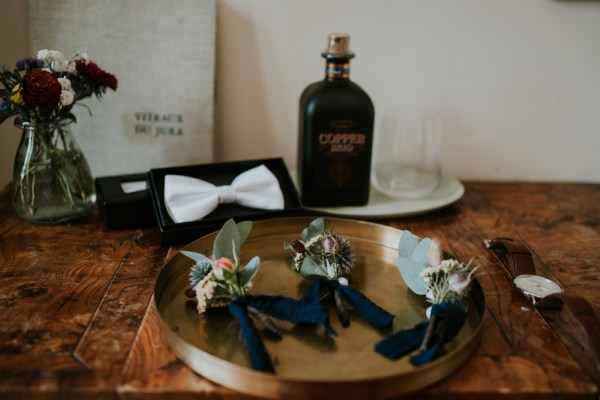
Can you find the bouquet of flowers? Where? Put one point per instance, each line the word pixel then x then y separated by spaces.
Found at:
pixel 445 284
pixel 52 181
pixel 45 87
pixel 220 280
pixel 329 257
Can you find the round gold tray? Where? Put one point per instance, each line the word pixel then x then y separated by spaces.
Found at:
pixel 308 364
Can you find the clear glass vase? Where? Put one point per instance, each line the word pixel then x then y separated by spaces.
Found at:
pixel 52 182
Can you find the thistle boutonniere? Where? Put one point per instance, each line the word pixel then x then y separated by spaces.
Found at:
pixel 322 253
pixel 220 280
pixel 444 283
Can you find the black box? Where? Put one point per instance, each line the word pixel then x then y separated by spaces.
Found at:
pixel 121 210
pixel 218 174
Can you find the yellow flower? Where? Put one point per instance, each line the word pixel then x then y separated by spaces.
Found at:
pixel 16 97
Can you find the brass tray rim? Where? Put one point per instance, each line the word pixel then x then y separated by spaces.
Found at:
pixel 276 385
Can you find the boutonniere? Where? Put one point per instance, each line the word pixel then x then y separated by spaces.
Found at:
pixel 322 254
pixel 445 284
pixel 220 280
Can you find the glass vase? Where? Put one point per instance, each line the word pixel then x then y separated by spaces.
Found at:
pixel 52 182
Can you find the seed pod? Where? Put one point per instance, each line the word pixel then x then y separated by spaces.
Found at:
pixel 299 246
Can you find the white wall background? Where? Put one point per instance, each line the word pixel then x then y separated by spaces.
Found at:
pixel 516 81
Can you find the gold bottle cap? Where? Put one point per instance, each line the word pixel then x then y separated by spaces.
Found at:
pixel 338 45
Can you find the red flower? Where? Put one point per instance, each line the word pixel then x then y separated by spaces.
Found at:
pixel 94 72
pixel 40 89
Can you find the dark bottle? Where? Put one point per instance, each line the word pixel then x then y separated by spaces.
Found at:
pixel 335 134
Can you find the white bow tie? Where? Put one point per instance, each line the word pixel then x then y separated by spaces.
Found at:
pixel 190 199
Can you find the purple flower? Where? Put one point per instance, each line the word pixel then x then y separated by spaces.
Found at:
pixel 29 63
pixel 460 280
pixel 331 244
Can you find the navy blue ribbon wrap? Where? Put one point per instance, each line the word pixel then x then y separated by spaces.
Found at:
pixel 369 311
pixel 280 307
pixel 450 319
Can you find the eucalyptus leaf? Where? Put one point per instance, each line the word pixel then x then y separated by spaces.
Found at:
pixel 421 253
pixel 195 256
pixel 411 273
pixel 230 233
pixel 317 226
pixel 310 268
pixel 249 271
pixel 244 229
pixel 413 258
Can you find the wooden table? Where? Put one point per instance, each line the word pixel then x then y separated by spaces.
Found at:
pixel 77 321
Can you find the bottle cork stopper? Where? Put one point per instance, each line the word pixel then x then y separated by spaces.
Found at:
pixel 338 45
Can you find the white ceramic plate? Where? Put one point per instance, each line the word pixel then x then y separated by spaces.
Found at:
pixel 382 206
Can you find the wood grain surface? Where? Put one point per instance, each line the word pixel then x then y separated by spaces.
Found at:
pixel 77 319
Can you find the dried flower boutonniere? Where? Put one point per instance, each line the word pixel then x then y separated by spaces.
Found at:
pixel 329 257
pixel 220 280
pixel 445 284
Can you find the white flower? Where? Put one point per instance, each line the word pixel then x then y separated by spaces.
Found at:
pixel 66 97
pixel 205 290
pixel 54 58
pixel 448 266
pixel 81 56
pixel 65 83
pixel 60 66
pixel 298 258
pixel 42 54
pixel 343 281
pixel 313 240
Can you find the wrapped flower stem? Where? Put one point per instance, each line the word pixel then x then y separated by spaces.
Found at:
pixel 369 311
pixel 220 280
pixel 280 307
pixel 329 257
pixel 446 321
pixel 341 309
pixel 445 284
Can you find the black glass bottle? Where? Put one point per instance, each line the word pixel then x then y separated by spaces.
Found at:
pixel 335 134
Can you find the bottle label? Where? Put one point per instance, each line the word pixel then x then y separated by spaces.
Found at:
pixel 341 143
pixel 337 70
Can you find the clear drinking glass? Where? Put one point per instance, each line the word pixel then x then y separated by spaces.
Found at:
pixel 407 153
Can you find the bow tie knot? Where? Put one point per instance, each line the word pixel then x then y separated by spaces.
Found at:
pixel 226 194
pixel 190 199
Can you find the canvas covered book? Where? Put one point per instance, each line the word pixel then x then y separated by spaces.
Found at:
pixel 163 55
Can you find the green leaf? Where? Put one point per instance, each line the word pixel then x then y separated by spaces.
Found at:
pixel 310 268
pixel 316 227
pixel 244 229
pixel 195 256
pixel 231 233
pixel 413 258
pixel 249 271
pixel 410 271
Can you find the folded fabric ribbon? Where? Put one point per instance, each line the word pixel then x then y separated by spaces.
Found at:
pixel 190 199
pixel 280 307
pixel 450 319
pixel 369 311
